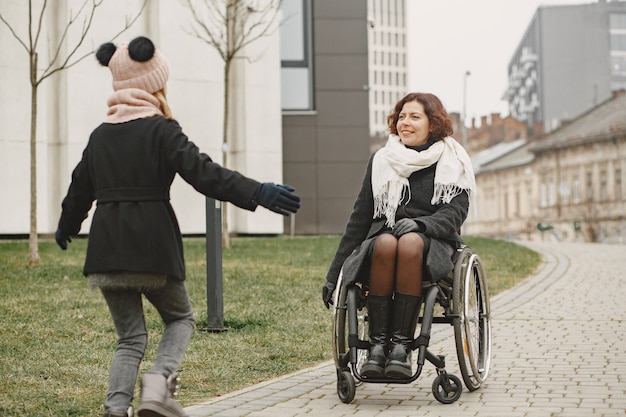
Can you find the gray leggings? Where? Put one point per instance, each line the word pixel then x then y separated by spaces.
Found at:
pixel 172 303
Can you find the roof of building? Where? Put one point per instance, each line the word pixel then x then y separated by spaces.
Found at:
pixel 517 157
pixel 487 156
pixel 601 122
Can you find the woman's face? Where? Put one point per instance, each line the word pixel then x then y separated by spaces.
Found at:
pixel 413 125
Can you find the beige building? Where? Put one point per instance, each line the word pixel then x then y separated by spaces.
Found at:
pixel 567 185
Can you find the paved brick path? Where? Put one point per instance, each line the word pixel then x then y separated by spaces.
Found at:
pixel 559 349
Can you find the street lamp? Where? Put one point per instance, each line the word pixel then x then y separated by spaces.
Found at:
pixel 463 127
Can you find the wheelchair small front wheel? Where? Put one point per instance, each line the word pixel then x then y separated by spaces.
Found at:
pixel 346 386
pixel 447 388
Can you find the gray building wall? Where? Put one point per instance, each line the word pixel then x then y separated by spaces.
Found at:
pixel 325 151
pixel 562 66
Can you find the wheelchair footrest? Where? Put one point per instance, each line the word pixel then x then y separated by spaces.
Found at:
pixel 421 340
pixel 354 341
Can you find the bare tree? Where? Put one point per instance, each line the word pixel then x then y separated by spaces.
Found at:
pixel 228 26
pixel 58 61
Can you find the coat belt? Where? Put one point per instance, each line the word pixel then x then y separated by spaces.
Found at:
pixel 113 195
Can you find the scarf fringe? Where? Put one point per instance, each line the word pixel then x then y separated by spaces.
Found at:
pixel 444 193
pixel 382 200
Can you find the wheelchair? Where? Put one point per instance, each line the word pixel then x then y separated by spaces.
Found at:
pixel 464 301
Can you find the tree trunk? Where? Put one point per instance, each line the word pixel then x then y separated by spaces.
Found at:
pixel 230 38
pixel 33 243
pixel 226 152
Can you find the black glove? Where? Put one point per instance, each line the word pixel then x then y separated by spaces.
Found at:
pixel 278 198
pixel 62 240
pixel 327 293
pixel 404 226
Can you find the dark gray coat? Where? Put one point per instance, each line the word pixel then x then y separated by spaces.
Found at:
pixel 128 169
pixel 440 223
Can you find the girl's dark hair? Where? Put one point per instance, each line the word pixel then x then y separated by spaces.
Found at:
pixel 440 121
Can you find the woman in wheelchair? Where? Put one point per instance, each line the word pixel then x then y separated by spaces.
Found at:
pixel 404 228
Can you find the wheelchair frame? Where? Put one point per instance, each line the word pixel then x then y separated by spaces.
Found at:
pixel 464 298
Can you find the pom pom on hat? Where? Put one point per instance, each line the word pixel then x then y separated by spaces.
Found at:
pixel 135 65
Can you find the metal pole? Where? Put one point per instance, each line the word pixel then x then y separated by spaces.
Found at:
pixel 214 290
pixel 464 128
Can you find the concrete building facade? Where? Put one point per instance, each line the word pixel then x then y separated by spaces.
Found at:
pixel 570 59
pixel 326 146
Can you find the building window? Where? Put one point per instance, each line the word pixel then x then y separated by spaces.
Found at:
pixel 575 190
pixel 506 204
pixel 618 42
pixel 551 193
pixel 296 75
pixel 617 28
pixel 617 21
pixel 543 195
pixel 564 191
pixel 589 186
pixel 618 184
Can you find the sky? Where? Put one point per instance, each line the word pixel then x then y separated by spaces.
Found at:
pixel 446 38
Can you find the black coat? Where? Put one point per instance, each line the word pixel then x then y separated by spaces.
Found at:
pixel 128 169
pixel 440 223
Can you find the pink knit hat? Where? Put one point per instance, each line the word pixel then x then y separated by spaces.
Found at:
pixel 137 64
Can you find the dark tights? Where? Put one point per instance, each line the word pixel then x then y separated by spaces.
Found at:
pixel 397 265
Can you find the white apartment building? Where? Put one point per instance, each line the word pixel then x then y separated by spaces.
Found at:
pixel 387 60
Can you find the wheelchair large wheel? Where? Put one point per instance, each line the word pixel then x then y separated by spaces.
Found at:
pixel 345 380
pixel 472 318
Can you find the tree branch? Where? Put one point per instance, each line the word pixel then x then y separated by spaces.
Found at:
pixel 87 22
pixel 3 20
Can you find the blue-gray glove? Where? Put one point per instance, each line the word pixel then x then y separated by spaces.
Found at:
pixel 327 293
pixel 278 198
pixel 61 239
pixel 404 226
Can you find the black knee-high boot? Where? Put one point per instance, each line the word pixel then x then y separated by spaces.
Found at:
pixel 405 314
pixel 378 311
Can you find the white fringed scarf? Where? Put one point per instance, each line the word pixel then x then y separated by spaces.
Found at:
pixel 130 104
pixel 393 164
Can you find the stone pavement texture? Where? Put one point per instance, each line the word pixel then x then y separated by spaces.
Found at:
pixel 559 349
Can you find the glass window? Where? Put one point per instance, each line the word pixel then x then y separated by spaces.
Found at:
pixel 575 190
pixel 551 193
pixel 543 195
pixel 618 42
pixel 618 64
pixel 564 191
pixel 617 20
pixel 296 76
pixel 618 184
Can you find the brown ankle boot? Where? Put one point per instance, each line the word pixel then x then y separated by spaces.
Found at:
pixel 156 397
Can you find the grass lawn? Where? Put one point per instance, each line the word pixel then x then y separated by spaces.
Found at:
pixel 57 339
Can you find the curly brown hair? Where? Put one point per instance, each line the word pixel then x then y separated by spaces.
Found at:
pixel 438 117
